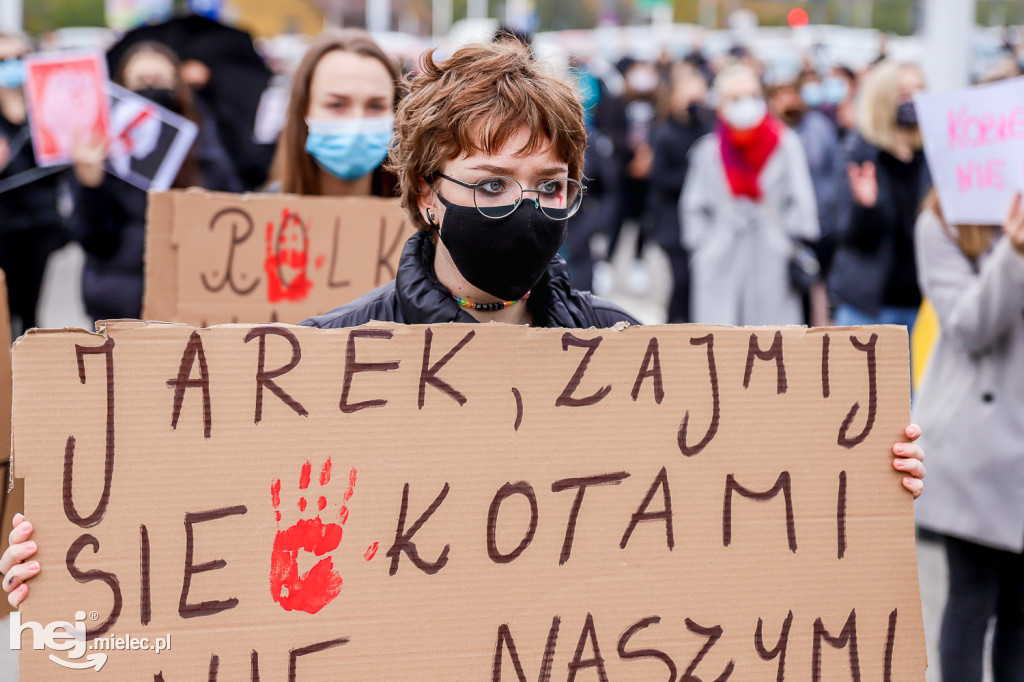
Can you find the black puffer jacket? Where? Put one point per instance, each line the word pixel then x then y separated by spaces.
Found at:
pixel 416 297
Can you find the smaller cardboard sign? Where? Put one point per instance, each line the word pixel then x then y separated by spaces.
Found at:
pixel 974 143
pixel 67 99
pixel 216 258
pixel 148 143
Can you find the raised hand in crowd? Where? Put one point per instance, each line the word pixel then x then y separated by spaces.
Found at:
pixel 87 157
pixel 863 183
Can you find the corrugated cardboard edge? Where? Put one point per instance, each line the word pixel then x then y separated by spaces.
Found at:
pixel 161 258
pixel 6 387
pixel 12 498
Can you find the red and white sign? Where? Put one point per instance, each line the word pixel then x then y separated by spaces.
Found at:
pixel 67 99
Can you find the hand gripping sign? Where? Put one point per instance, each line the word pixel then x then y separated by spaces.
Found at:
pixel 473 502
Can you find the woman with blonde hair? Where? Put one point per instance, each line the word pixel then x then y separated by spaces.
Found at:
pixel 971 405
pixel 339 119
pixel 873 278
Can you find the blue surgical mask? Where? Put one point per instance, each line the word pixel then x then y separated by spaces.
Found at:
pixel 349 148
pixel 12 73
pixel 834 90
pixel 812 94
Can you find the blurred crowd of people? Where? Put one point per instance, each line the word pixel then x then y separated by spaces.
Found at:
pixel 778 198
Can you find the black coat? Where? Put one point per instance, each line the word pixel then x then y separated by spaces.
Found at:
pixel 32 205
pixel 671 143
pixel 110 223
pixel 874 247
pixel 416 297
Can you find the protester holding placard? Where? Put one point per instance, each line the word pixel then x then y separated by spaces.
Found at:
pixel 339 120
pixel 110 214
pixel 489 152
pixel 747 205
pixel 971 402
pixel 873 277
pixel 31 227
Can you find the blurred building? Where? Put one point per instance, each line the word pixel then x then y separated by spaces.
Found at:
pixel 267 18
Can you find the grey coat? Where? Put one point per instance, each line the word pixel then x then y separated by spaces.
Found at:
pixel 971 402
pixel 740 248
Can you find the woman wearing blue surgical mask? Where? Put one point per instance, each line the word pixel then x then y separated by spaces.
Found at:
pixel 339 119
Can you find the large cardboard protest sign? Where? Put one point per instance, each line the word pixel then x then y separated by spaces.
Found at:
pixel 67 99
pixel 219 258
pixel 469 502
pixel 974 141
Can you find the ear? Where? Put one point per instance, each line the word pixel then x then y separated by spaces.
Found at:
pixel 427 203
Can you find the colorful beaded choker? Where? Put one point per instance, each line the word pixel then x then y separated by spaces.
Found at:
pixel 488 307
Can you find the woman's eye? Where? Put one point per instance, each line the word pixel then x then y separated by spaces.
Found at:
pixel 493 186
pixel 550 187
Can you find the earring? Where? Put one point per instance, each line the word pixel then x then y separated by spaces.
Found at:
pixel 430 219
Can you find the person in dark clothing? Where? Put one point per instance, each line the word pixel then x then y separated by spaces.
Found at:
pixel 873 278
pixel 31 226
pixel 684 119
pixel 639 98
pixel 417 296
pixel 596 213
pixel 109 219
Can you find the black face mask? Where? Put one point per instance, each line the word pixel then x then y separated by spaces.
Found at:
pixel 165 97
pixel 906 115
pixel 503 257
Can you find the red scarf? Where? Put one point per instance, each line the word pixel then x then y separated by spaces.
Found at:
pixel 745 152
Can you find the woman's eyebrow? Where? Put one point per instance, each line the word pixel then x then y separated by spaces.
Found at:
pixel 501 170
pixel 553 170
pixel 497 170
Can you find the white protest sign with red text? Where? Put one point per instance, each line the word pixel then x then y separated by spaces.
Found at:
pixel 974 142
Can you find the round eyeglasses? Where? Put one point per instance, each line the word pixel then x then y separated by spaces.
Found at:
pixel 498 196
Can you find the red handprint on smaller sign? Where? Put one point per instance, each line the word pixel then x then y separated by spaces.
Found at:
pixel 317 587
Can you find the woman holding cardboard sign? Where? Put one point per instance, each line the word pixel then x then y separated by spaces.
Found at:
pixel 339 119
pixel 972 401
pixel 489 153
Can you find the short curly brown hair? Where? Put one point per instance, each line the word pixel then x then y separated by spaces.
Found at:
pixel 475 101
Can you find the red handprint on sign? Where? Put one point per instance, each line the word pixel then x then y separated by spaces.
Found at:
pixel 314 589
pixel 287 259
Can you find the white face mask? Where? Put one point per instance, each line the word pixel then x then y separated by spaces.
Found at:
pixel 642 79
pixel 746 113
